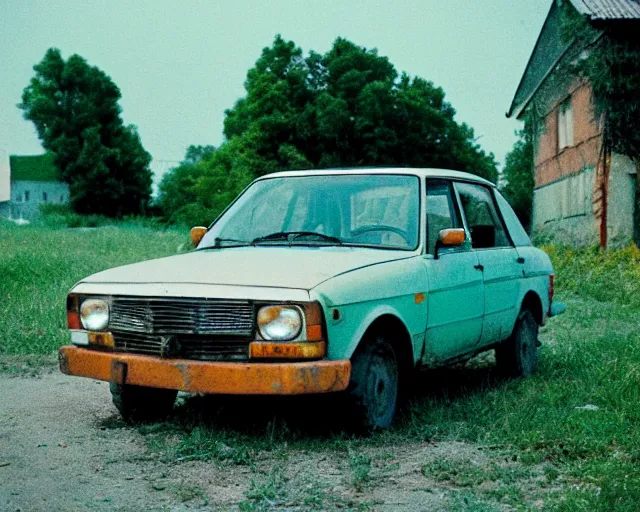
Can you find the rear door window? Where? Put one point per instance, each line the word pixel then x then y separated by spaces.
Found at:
pixel 483 220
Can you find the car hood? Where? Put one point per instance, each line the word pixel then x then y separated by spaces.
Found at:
pixel 279 267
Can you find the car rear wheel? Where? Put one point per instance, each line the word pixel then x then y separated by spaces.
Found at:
pixel 373 390
pixel 138 403
pixel 518 355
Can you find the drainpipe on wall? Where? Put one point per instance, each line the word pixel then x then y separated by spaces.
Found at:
pixel 604 165
pixel 636 206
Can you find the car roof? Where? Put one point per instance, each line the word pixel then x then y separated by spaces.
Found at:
pixel 423 173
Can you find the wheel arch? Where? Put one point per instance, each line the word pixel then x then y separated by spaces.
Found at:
pixel 533 303
pixel 395 331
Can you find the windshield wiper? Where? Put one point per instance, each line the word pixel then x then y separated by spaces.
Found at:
pixel 217 242
pixel 292 236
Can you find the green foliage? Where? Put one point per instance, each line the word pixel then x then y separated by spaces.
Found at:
pixel 519 178
pixel 196 153
pixel 74 107
pixel 601 274
pixel 360 464
pixel 348 107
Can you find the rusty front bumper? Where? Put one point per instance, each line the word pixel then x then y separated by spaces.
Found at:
pixel 207 377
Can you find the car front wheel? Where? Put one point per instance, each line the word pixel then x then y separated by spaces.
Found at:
pixel 139 403
pixel 373 390
pixel 518 355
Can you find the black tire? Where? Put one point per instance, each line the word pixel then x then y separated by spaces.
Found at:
pixel 518 355
pixel 373 389
pixel 138 403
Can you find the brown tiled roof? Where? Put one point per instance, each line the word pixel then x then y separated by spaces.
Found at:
pixel 608 9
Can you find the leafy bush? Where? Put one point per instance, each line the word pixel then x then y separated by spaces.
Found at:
pixel 602 274
pixel 61 216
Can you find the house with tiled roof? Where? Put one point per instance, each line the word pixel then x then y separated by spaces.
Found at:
pixel 582 193
pixel 33 181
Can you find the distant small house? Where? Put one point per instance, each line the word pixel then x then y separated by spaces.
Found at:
pixel 579 194
pixel 5 184
pixel 34 181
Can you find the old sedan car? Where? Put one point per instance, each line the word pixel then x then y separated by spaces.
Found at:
pixel 317 282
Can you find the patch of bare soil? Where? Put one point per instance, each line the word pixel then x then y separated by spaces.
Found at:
pixel 62 447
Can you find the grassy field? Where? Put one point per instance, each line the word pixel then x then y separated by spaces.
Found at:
pixel 567 439
pixel 39 264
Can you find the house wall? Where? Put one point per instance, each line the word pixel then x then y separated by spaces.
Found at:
pixel 5 208
pixel 57 193
pixel 563 209
pixel 5 184
pixel 622 197
pixel 552 164
pixel 567 195
pixel 565 178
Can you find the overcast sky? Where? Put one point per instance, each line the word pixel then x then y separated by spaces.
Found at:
pixel 180 64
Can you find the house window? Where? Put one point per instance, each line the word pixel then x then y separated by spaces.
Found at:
pixel 26 195
pixel 44 197
pixel 565 124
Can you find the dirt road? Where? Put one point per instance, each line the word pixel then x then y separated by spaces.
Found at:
pixel 62 447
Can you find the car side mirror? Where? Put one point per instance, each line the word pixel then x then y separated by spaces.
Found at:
pixel 452 237
pixel 196 234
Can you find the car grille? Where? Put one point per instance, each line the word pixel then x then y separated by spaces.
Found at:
pixel 201 329
pixel 196 347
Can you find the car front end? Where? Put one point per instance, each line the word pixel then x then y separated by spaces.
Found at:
pixel 201 345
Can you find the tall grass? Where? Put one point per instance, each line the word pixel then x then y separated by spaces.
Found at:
pixel 38 266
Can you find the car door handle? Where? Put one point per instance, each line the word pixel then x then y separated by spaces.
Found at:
pixel 520 260
pixel 479 267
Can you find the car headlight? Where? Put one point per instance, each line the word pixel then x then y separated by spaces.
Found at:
pixel 279 323
pixel 94 314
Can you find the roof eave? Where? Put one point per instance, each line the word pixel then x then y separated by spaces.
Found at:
pixel 523 107
pixel 535 46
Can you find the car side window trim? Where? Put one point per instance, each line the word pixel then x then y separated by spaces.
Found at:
pixel 496 205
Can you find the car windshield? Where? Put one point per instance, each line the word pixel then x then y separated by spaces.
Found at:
pixel 379 211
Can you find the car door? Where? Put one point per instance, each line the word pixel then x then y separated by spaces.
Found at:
pixel 456 295
pixel 498 258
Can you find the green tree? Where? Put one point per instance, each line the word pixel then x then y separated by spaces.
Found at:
pixel 348 107
pixel 177 197
pixel 518 176
pixel 74 107
pixel 196 153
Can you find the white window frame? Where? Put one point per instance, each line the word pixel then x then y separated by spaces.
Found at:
pixel 565 124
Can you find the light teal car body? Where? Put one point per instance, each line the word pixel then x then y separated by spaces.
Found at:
pixel 441 309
